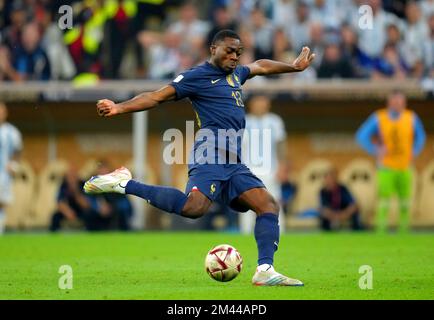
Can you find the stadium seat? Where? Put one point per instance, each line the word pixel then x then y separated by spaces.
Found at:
pixel 303 210
pixel 48 185
pixel 424 201
pixel 360 177
pixel 23 189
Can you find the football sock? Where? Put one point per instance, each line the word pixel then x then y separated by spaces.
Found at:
pixel 165 198
pixel 267 237
pixel 381 218
pixel 404 216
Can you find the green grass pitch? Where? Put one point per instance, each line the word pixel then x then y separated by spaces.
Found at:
pixel 164 265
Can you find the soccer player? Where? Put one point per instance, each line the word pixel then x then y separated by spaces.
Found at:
pixel 400 138
pixel 214 88
pixel 10 147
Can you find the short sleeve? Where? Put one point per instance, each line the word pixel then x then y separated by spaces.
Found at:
pixel 186 84
pixel 244 73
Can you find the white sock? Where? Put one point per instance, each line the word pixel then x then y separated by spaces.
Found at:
pixel 265 267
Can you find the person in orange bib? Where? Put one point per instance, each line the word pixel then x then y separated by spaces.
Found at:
pixel 395 136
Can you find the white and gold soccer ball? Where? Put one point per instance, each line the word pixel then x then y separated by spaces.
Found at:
pixel 223 263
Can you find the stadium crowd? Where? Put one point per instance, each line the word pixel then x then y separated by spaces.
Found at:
pixel 156 39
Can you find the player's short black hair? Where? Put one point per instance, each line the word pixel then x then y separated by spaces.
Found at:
pixel 222 34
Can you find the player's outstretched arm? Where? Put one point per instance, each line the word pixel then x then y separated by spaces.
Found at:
pixel 144 101
pixel 266 67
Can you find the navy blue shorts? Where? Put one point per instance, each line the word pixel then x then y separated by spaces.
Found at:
pixel 223 184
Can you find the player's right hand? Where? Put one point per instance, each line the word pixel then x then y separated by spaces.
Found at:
pixel 106 108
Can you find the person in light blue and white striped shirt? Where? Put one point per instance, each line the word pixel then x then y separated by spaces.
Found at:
pixel 10 147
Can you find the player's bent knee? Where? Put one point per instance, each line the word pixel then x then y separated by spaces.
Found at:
pixel 194 212
pixel 269 206
pixel 196 206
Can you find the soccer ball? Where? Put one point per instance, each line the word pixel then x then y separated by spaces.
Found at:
pixel 223 263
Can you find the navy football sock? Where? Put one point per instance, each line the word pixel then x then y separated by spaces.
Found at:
pixel 165 198
pixel 267 237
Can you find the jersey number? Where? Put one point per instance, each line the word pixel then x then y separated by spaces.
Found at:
pixel 237 96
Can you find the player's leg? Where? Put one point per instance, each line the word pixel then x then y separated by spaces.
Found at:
pixel 266 229
pixel 404 187
pixel 266 235
pixel 165 198
pixel 246 192
pixel 385 179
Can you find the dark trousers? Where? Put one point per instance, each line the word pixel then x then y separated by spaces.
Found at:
pixel 92 221
pixel 355 223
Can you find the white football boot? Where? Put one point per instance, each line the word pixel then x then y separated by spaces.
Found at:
pixel 115 181
pixel 270 277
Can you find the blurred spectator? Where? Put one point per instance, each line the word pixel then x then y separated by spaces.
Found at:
pixel 11 34
pixel 396 7
pixel 390 65
pixel 30 62
pixel 118 30
pixel 372 41
pixel 393 36
pixel 222 20
pixel 85 38
pixel 10 148
pixel 61 64
pixel 263 35
pixel 350 50
pixel 337 205
pixel 427 7
pixel 100 212
pixel 299 29
pixel 334 64
pixel 327 12
pixel 190 28
pixel 73 204
pixel 428 52
pixel 281 48
pixel 163 54
pixel 416 32
pixel 105 34
pixel 283 12
pixel 316 42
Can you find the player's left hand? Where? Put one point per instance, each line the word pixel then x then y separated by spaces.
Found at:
pixel 304 59
pixel 106 108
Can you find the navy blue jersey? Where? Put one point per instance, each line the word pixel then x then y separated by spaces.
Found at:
pixel 217 100
pixel 338 199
